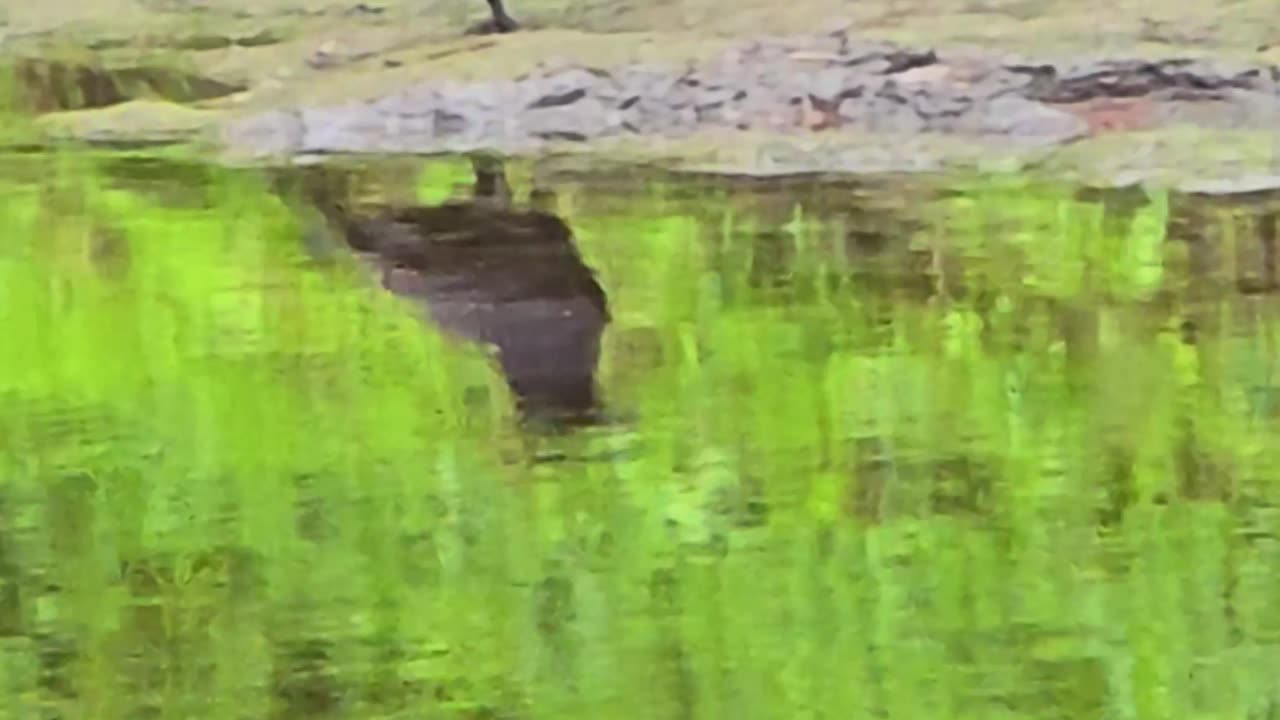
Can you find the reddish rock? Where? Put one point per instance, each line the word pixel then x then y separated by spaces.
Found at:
pixel 1107 115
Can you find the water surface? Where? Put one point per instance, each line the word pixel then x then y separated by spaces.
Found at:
pixel 986 449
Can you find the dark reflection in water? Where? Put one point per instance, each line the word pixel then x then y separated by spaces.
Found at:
pixel 304 678
pixel 491 272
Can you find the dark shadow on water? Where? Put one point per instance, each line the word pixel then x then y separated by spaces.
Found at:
pixel 488 271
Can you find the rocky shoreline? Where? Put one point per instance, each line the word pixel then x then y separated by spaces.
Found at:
pixel 788 86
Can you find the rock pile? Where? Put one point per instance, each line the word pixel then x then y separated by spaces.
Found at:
pixel 784 85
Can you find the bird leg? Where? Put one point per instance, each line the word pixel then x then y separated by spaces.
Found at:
pixel 502 22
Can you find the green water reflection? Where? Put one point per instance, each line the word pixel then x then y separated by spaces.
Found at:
pixel 999 450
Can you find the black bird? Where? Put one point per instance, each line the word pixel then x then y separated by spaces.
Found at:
pixel 489 272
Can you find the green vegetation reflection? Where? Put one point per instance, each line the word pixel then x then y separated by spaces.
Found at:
pixel 1003 449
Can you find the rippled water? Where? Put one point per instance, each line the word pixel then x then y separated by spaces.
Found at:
pixel 667 448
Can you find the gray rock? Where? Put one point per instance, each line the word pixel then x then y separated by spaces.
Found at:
pixel 564 87
pixel 687 92
pixel 766 110
pixel 277 132
pixel 714 97
pixel 997 81
pixel 446 123
pixel 782 84
pixel 1020 119
pixel 479 98
pixel 633 83
pixel 877 113
pixel 413 101
pixel 1233 110
pixel 939 107
pixel 354 127
pixel 650 116
pixel 412 133
pixel 833 84
pixel 582 120
pixel 778 79
pixel 361 128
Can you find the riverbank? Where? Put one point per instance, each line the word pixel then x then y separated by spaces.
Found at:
pixel 847 99
pixel 887 107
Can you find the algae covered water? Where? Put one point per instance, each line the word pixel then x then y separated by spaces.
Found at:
pixel 988 448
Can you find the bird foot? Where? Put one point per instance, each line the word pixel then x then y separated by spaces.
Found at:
pixel 494 26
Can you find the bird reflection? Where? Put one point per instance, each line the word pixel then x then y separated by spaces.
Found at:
pixel 488 271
